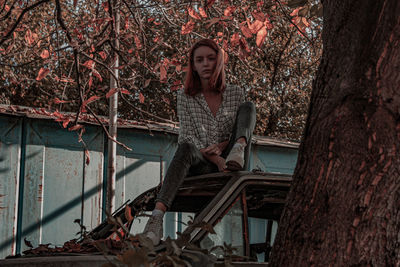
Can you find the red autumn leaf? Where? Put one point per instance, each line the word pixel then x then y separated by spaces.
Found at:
pixel 193 13
pixel 42 73
pixel 58 101
pixel 90 100
pixel 146 83
pixel 256 26
pixel 65 123
pixel 137 42
pixel 89 64
pixel 58 114
pixel 150 19
pixel 111 92
pixel 187 28
pixel 103 55
pixel 166 62
pixel 259 16
pixel 97 75
pixel 67 80
pixel 212 22
pixel 296 20
pixel 176 85
pixel 235 39
pixel 163 73
pixel 295 12
pixel 262 33
pixel 156 39
pixel 209 3
pixel 166 100
pixel 87 155
pixel 45 54
pixel 126 23
pixel 305 22
pixel 229 10
pixel 75 127
pixel 29 37
pixel 128 213
pixel 105 6
pixel 202 12
pixel 244 45
pixel 141 98
pixel 125 91
pixel 268 24
pixel 90 82
pixel 246 31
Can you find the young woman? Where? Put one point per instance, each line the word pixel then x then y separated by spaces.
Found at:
pixel 215 128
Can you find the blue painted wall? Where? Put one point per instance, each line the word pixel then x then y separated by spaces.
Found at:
pixel 45 183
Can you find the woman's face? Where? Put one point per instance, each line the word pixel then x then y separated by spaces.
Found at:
pixel 204 61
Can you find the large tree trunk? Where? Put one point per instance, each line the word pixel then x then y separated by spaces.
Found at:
pixel 344 205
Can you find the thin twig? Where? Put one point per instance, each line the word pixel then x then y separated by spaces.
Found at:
pixel 76 58
pixel 102 64
pixel 9 11
pixel 290 20
pixel 21 16
pixel 145 112
pixel 106 131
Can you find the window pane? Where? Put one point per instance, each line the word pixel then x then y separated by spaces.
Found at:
pixel 257 237
pixel 229 230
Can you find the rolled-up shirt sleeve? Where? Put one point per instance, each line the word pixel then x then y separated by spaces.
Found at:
pixel 186 127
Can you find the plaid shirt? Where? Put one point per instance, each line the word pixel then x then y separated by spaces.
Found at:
pixel 198 125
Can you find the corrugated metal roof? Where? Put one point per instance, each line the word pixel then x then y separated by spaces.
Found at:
pixel 41 113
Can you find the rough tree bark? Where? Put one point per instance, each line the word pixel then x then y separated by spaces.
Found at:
pixel 344 205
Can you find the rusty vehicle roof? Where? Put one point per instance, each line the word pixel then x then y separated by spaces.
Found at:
pixel 205 195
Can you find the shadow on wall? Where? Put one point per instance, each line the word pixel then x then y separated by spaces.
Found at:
pixel 3 170
pixel 67 206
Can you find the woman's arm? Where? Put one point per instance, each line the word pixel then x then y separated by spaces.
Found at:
pixel 213 154
pixel 214 158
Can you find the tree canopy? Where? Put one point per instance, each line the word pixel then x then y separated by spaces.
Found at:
pixel 60 54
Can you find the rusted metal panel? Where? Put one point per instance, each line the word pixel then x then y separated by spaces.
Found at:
pixel 273 159
pixel 57 184
pixel 59 187
pixel 93 180
pixel 142 168
pixel 10 151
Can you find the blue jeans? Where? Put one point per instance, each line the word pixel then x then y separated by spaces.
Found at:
pixel 188 160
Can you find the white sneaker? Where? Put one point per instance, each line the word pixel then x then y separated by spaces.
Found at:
pixel 235 159
pixel 154 229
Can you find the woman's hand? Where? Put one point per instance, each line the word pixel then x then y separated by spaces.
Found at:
pixel 217 160
pixel 220 162
pixel 215 149
pixel 212 150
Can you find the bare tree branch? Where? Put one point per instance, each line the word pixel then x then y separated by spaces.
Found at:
pixel 21 16
pixel 145 112
pixel 290 20
pixel 106 131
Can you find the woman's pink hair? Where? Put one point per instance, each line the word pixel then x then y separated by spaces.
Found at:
pixel 217 80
